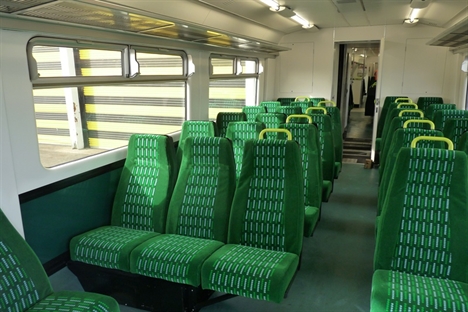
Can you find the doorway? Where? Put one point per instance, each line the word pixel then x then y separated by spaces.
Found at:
pixel 356 92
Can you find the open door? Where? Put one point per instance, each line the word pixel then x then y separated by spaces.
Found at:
pixel 377 98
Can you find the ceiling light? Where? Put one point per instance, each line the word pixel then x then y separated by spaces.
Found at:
pixel 302 21
pixel 409 22
pixel 284 11
pixel 272 4
pixel 414 14
pixel 419 4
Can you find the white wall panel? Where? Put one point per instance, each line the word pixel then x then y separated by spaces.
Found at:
pixel 296 69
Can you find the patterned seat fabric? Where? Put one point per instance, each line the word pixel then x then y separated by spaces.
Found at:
pixel 335 115
pixel 315 101
pixel 327 148
pixel 303 105
pixel 435 107
pixel 463 143
pixel 239 133
pixel 289 110
pixel 140 204
pixel 425 101
pixel 224 118
pixel 286 101
pixel 402 138
pixel 422 230
pixel 388 122
pixel 308 138
pixel 270 106
pixel 454 128
pixel 383 114
pixel 271 120
pixel 252 111
pixel 24 285
pixel 194 128
pixel 266 225
pixel 198 214
pixel 441 116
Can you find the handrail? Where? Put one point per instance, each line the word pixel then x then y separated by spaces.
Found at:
pixel 305 99
pixel 405 98
pixel 411 104
pixel 262 133
pixel 299 116
pixel 428 138
pixel 325 102
pixel 316 108
pixel 405 124
pixel 420 112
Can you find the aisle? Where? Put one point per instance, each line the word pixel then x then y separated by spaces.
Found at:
pixel 358 136
pixel 336 267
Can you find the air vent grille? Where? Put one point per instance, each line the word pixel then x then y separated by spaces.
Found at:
pixel 11 6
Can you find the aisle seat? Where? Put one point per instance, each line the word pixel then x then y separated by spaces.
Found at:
pixel 441 116
pixel 224 118
pixel 286 101
pixel 198 214
pixel 435 107
pixel 251 112
pixel 270 106
pixel 289 110
pixel 140 205
pixel 239 132
pixel 316 100
pixel 272 121
pixel 397 112
pixel 303 105
pixel 24 285
pixel 335 115
pixel 383 113
pixel 308 138
pixel 454 128
pixel 194 128
pixel 463 143
pixel 425 101
pixel 420 256
pixel 265 226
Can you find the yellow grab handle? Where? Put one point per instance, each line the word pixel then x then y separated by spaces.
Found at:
pixel 325 102
pixel 304 99
pixel 298 116
pixel 407 100
pixel 406 104
pixel 316 108
pixel 428 138
pixel 406 123
pixel 420 112
pixel 262 133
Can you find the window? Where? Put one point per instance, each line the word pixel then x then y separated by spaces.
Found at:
pixel 233 84
pixel 89 100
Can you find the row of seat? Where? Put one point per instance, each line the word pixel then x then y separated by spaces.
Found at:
pixel 420 259
pixel 198 226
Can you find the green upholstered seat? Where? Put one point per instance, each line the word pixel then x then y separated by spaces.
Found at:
pixel 454 128
pixel 424 102
pixel 402 138
pixel 224 118
pixel 441 116
pixel 303 105
pixel 24 285
pixel 270 106
pixel 194 128
pixel 395 112
pixel 435 107
pixel 422 233
pixel 286 101
pixel 271 120
pixel 238 133
pixel 265 227
pixel 140 204
pixel 316 100
pixel 289 110
pixel 327 148
pixel 383 117
pixel 198 215
pixel 252 111
pixel 308 138
pixel 337 131
pixel 463 143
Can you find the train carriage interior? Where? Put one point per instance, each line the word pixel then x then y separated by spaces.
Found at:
pixel 235 155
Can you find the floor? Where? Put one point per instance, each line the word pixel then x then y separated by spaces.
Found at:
pixel 357 142
pixel 336 267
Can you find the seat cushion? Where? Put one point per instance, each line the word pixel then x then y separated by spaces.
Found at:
pixel 108 246
pixel 398 291
pixel 310 220
pixel 327 188
pixel 250 272
pixel 71 301
pixel 172 257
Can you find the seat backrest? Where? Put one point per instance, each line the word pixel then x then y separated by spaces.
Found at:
pixel 146 183
pixel 424 102
pixel 454 128
pixel 402 138
pixel 224 118
pixel 194 128
pixel 271 120
pixel 270 106
pixel 289 110
pixel 463 143
pixel 335 115
pixel 303 105
pixel 203 193
pixel 239 132
pixel 422 229
pixel 327 144
pixel 286 101
pixel 251 112
pixel 383 113
pixel 268 207
pixel 23 281
pixel 395 113
pixel 432 108
pixel 316 100
pixel 308 138
pixel 442 115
